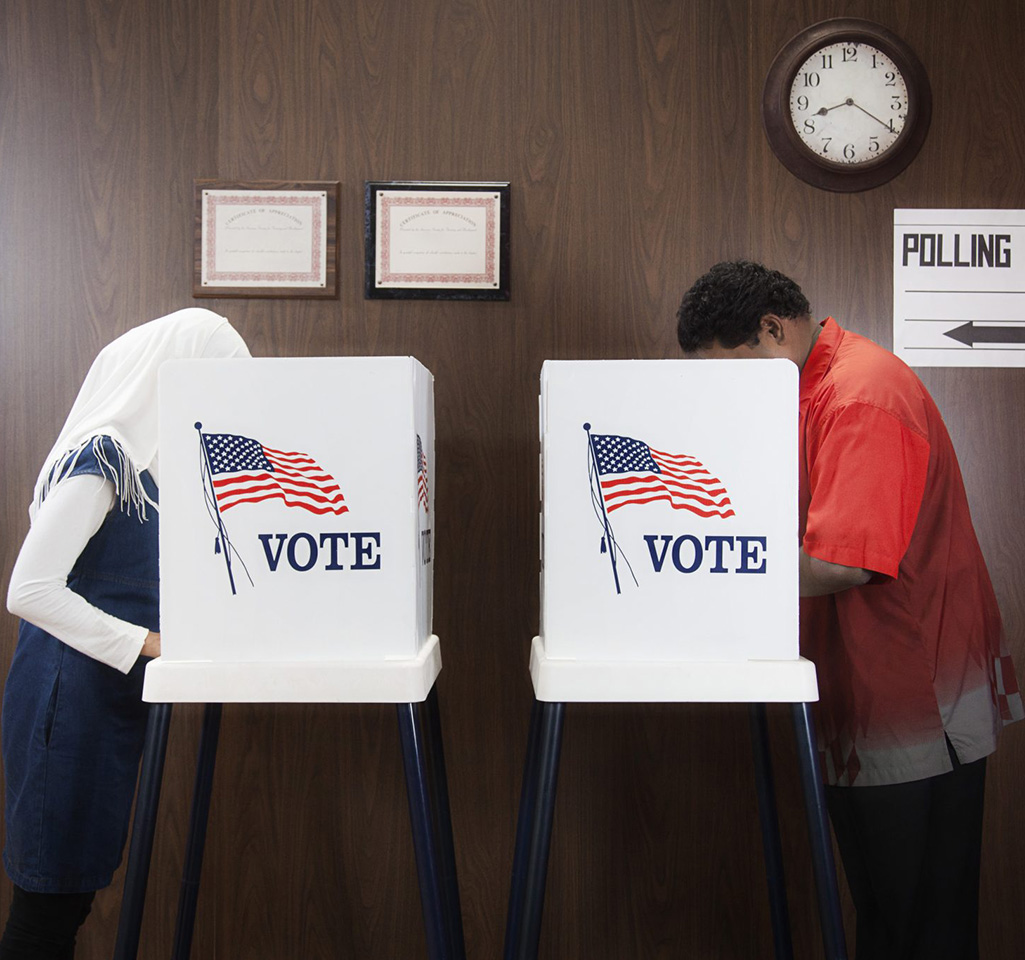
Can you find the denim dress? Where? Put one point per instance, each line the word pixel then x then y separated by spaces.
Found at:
pixel 73 727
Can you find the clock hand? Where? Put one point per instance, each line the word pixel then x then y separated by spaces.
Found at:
pixel 822 111
pixel 872 115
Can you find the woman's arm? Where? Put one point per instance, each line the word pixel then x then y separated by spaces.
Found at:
pixel 65 523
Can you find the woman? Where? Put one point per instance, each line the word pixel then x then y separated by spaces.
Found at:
pixel 85 586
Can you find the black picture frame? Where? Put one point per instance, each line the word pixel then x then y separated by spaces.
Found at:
pixel 488 199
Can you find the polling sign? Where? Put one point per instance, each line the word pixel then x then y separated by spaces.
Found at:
pixel 959 287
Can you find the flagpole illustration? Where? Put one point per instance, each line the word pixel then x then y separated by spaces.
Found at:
pixel 609 539
pixel 223 543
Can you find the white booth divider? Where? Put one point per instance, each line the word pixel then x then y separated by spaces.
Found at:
pixel 670 532
pixel 296 553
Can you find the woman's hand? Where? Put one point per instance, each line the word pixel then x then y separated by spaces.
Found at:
pixel 151 645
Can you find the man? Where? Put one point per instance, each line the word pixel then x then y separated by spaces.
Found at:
pixel 899 618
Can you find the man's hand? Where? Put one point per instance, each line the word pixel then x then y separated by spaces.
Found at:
pixel 819 577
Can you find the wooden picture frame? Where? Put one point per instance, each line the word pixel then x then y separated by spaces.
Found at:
pixel 266 238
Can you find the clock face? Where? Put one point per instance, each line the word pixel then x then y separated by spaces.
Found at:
pixel 848 103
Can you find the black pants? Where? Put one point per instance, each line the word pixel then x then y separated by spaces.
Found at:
pixel 911 852
pixel 43 926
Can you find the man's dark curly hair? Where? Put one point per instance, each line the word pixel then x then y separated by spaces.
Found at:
pixel 727 304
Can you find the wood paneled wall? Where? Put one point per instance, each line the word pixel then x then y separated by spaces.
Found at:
pixel 630 131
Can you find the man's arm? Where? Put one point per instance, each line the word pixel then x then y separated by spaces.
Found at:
pixel 819 577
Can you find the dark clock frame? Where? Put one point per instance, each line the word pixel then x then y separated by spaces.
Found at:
pixel 788 146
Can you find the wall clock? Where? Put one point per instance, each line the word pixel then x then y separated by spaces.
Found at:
pixel 846 105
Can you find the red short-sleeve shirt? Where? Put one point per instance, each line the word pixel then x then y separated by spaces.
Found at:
pixel 918 654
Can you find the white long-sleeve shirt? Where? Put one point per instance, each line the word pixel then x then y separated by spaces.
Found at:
pixel 66 521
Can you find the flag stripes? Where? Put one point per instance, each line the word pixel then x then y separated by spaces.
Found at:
pixel 422 489
pixel 244 471
pixel 632 472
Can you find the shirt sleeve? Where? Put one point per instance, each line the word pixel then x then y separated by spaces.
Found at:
pixel 867 473
pixel 66 521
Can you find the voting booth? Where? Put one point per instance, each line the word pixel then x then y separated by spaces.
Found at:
pixel 669 519
pixel 669 573
pixel 296 565
pixel 296 556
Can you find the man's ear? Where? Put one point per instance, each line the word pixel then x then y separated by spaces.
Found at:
pixel 773 327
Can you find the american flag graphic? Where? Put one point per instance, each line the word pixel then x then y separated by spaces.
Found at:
pixel 422 490
pixel 245 471
pixel 631 472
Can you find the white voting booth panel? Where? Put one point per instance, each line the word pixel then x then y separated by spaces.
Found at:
pixel 296 517
pixel 670 532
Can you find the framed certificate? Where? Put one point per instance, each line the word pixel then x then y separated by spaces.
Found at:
pixel 433 240
pixel 265 239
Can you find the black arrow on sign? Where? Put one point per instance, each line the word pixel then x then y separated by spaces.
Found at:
pixel 968 333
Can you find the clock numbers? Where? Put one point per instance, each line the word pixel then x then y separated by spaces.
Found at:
pixel 853 94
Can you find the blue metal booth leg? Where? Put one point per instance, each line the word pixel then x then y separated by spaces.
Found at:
pixel 198 818
pixel 425 839
pixel 534 831
pixel 443 823
pixel 141 848
pixel 818 830
pixel 765 787
pixel 524 827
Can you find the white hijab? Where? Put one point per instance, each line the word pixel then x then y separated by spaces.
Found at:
pixel 118 399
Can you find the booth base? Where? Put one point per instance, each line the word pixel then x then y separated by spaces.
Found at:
pixel 408 683
pixel 631 681
pixel 335 681
pixel 558 682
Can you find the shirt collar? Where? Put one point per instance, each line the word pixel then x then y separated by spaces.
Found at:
pixel 820 359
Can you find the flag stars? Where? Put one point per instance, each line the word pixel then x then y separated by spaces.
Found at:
pixel 231 454
pixel 623 455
